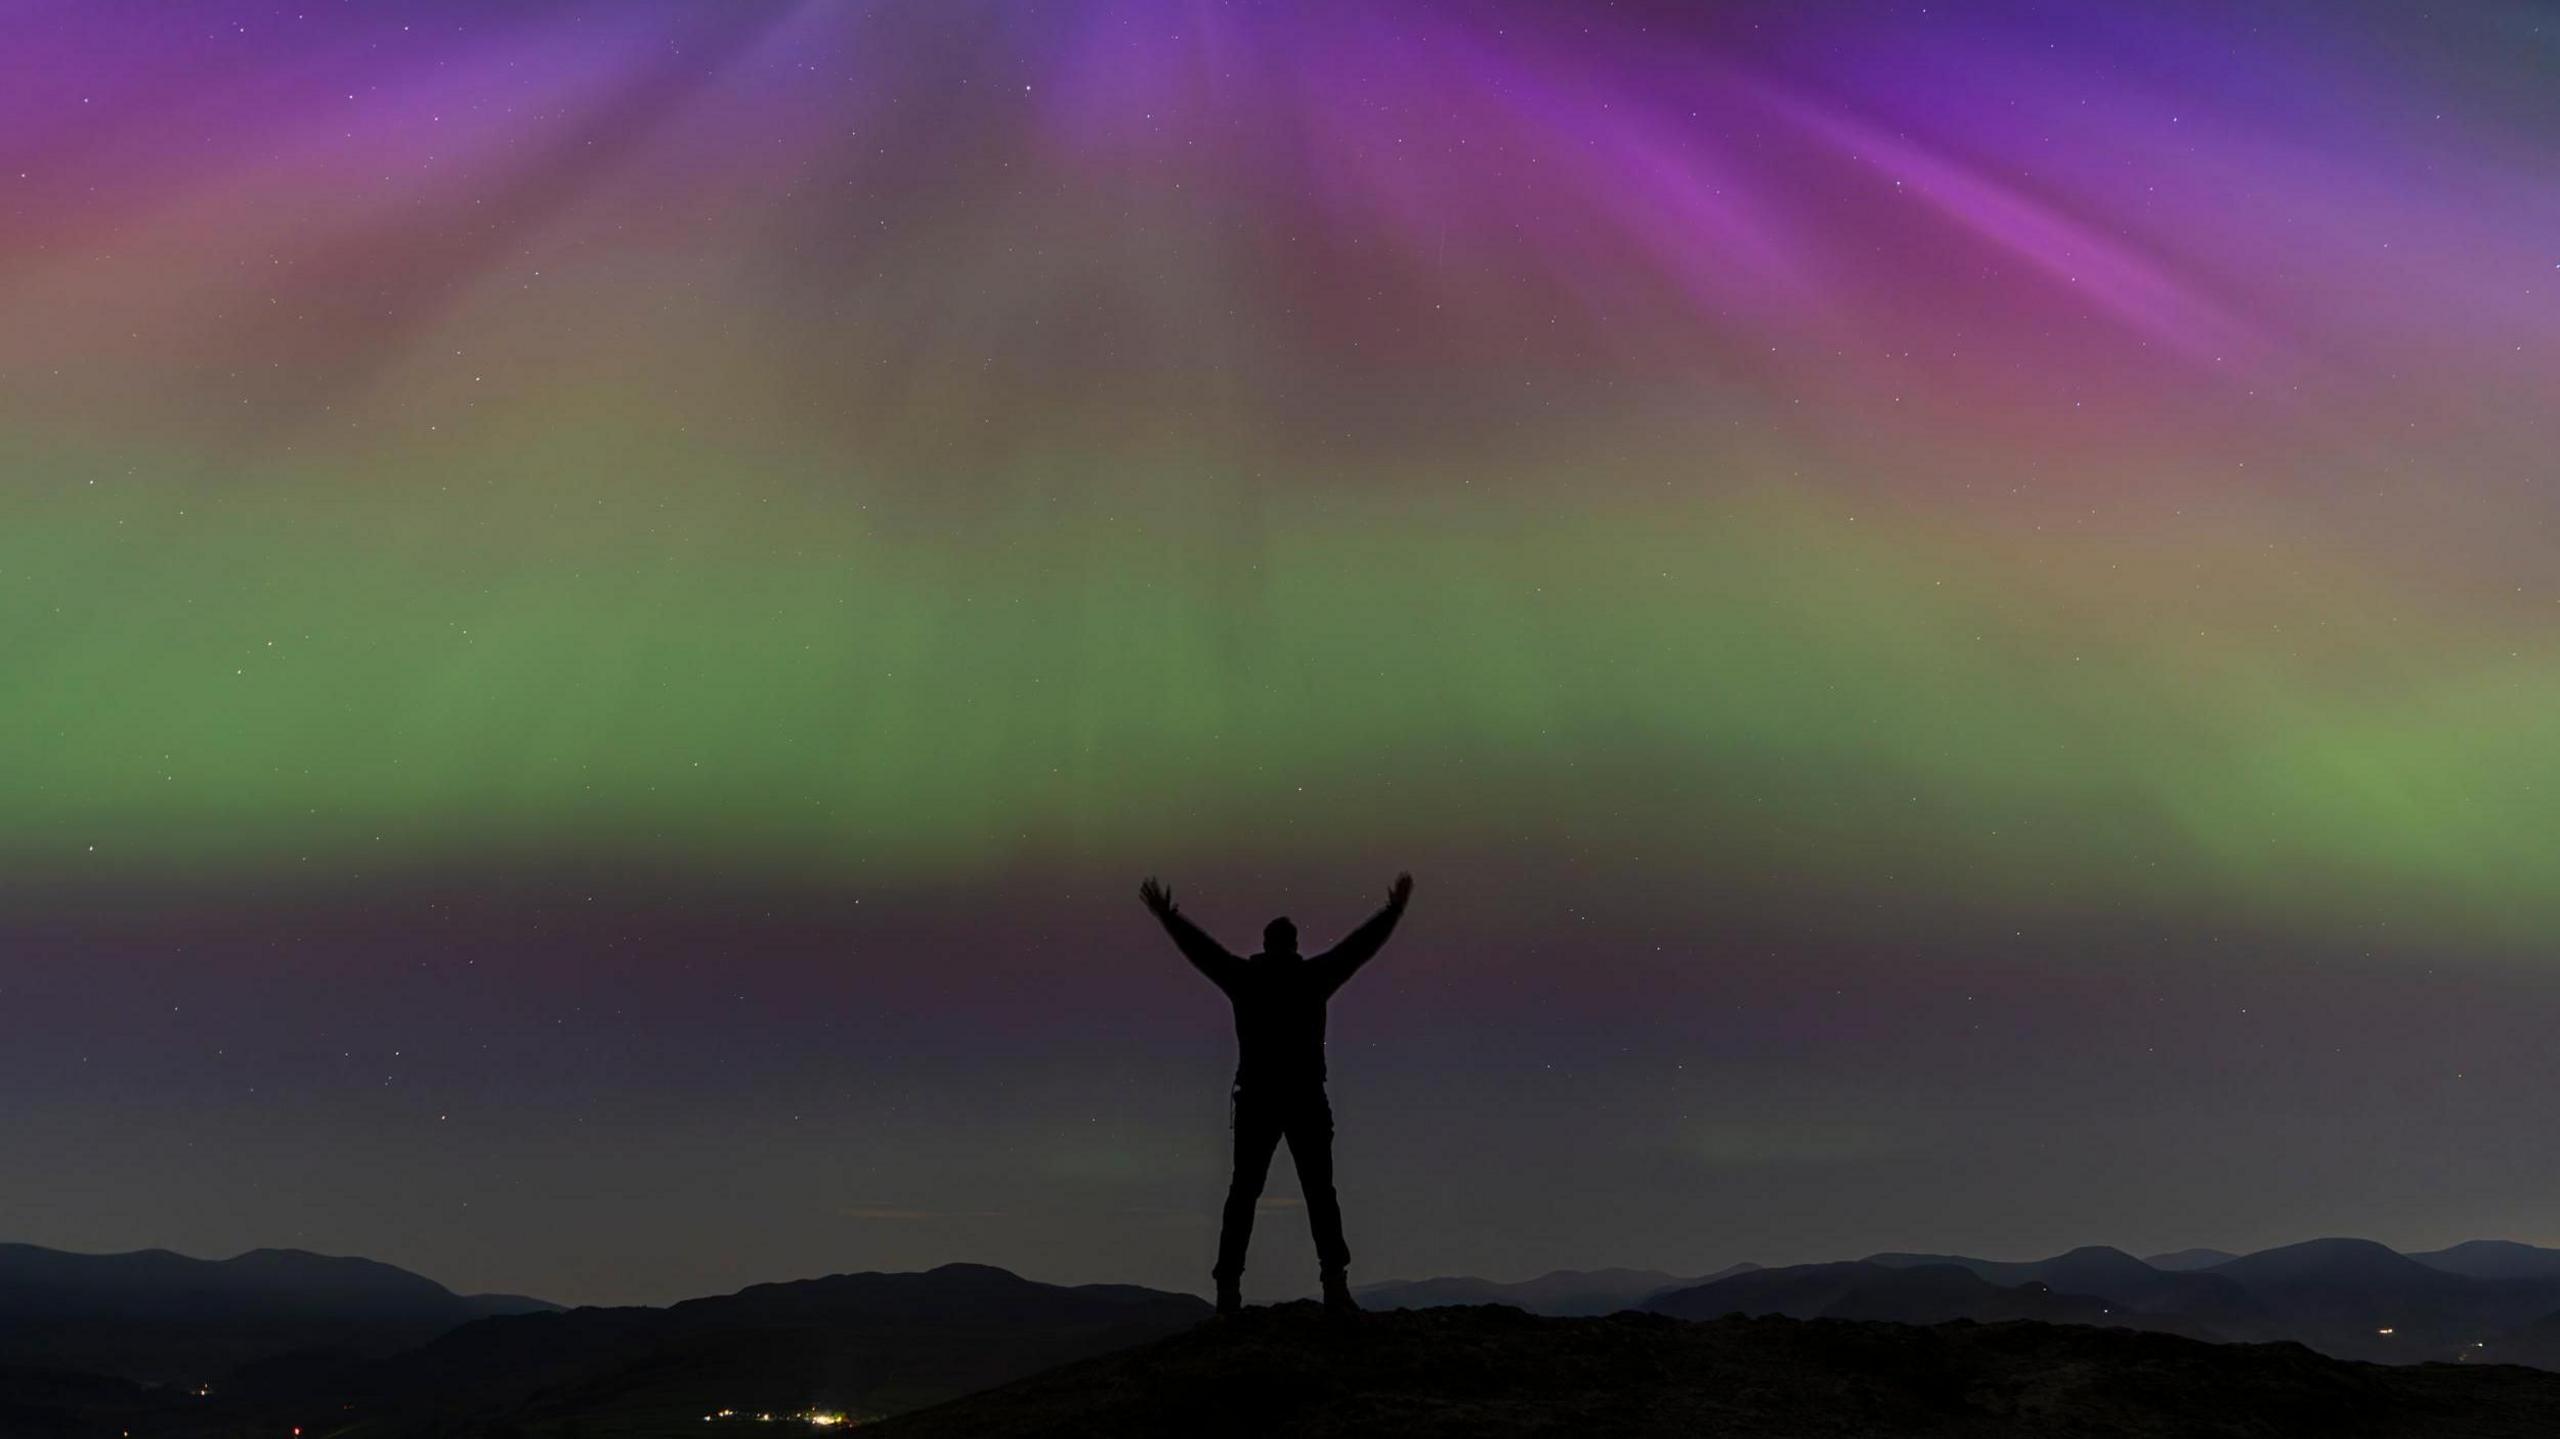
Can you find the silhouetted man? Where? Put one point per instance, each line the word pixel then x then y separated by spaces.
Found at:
pixel 1279 1087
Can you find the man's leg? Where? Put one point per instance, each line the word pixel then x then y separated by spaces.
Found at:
pixel 1257 1134
pixel 1311 1145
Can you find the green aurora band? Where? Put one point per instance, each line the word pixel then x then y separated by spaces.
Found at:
pixel 684 513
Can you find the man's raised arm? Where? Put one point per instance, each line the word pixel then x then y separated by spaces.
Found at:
pixel 1361 945
pixel 1205 954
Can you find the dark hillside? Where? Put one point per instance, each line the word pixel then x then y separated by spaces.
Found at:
pixel 1490 1371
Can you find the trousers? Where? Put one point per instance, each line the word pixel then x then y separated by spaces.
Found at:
pixel 1261 1121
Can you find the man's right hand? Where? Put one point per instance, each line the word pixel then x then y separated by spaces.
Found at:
pixel 1158 899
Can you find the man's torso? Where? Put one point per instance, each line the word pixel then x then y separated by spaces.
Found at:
pixel 1279 1006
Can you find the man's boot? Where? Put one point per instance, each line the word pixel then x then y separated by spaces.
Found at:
pixel 1230 1294
pixel 1337 1294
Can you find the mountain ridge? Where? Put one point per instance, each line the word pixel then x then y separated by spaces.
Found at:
pixel 154 1315
pixel 877 1343
pixel 1559 1292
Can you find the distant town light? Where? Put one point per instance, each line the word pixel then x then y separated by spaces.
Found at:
pixel 815 1418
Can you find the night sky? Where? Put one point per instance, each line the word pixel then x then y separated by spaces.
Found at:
pixel 1955 607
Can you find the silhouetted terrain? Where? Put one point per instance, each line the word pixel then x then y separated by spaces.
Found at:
pixel 2494 1259
pixel 1563 1292
pixel 162 1317
pixel 2178 1260
pixel 2358 1300
pixel 1293 1371
pixel 2348 1298
pixel 1902 1294
pixel 869 1345
pixel 2209 1305
pixel 51 1404
pixel 854 1344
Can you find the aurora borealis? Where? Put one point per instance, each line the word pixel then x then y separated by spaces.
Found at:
pixel 606 601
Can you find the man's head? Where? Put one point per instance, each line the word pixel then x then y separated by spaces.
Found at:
pixel 1280 937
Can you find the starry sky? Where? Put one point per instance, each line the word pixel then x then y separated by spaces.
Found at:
pixel 1955 606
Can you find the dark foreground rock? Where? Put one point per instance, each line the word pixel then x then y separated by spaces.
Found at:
pixel 1493 1371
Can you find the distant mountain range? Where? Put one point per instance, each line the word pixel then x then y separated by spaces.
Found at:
pixel 2494 1259
pixel 856 1344
pixel 1564 1292
pixel 859 1345
pixel 105 1344
pixel 2349 1298
pixel 2181 1259
pixel 155 1316
pixel 2489 1299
